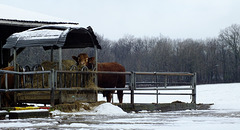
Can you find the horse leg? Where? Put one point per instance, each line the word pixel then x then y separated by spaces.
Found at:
pixel 120 84
pixel 109 96
pixel 120 95
pixel 5 100
pixel 9 99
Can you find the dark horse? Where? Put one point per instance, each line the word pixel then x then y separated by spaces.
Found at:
pixel 106 80
pixel 7 97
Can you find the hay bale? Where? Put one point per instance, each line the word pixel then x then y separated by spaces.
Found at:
pixel 66 65
pixel 77 106
pixel 47 65
pixel 66 80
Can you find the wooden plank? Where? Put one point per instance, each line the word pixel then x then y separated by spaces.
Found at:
pixel 36 97
pixel 163 107
pixel 66 96
pixel 21 114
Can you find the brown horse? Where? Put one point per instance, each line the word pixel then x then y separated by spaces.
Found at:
pixel 107 80
pixel 7 97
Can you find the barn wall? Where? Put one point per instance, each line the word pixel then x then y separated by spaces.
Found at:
pixel 5 32
pixel 8 27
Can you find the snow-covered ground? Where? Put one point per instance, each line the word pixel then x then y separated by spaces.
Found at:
pixel 224 114
pixel 224 96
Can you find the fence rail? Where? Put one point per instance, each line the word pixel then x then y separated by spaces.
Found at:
pixel 73 80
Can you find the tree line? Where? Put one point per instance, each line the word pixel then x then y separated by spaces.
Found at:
pixel 215 60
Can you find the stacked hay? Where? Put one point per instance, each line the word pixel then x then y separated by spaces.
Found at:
pixel 62 80
pixel 66 65
pixel 65 80
pixel 75 81
pixel 77 106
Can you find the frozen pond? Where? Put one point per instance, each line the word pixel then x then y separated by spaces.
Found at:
pixel 224 114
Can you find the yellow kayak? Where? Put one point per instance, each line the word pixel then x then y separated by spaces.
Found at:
pixel 26 108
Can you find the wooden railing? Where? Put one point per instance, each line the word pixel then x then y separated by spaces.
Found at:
pixel 72 80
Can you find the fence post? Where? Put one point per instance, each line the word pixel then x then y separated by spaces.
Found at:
pixel 0 99
pixel 194 82
pixel 60 58
pixel 1 76
pixel 132 86
pixel 156 87
pixel 6 81
pixel 165 81
pixel 52 85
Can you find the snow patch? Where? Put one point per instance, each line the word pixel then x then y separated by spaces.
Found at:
pixel 78 125
pixel 108 108
pixel 22 125
pixel 3 111
pixel 55 112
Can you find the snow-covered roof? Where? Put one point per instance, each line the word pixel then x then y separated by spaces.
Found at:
pixel 62 35
pixel 16 16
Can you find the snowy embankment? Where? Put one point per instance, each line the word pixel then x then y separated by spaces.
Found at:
pixel 223 96
pixel 224 114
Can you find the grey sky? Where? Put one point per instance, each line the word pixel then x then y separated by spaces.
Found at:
pixel 115 18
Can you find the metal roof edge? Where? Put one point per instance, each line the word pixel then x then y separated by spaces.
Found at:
pixel 25 23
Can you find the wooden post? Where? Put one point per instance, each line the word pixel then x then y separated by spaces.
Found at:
pixel 1 55
pixel 156 86
pixel 6 81
pixel 15 59
pixel 132 86
pixel 96 65
pixel 51 54
pixel 194 83
pixel 15 77
pixel 165 81
pixel 60 58
pixel 1 101
pixel 52 85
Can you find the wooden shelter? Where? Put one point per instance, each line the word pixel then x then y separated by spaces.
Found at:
pixel 10 26
pixel 58 36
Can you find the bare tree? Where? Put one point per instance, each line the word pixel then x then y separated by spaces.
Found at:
pixel 231 37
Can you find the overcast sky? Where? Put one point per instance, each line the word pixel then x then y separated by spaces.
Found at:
pixel 197 19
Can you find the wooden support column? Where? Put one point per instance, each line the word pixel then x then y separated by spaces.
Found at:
pixel 60 58
pixel 96 61
pixel 52 80
pixel 194 92
pixel 51 54
pixel 15 58
pixel 15 77
pixel 1 55
pixel 132 86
